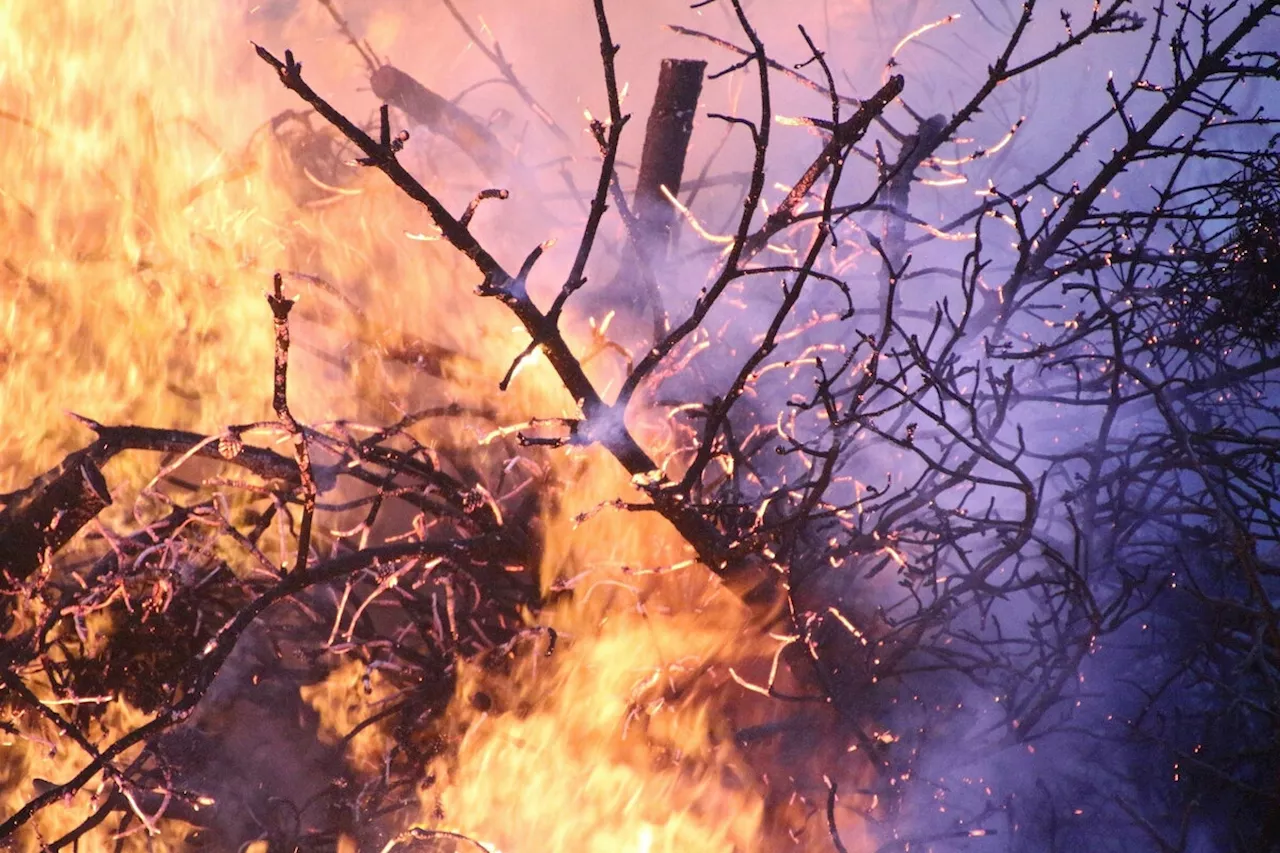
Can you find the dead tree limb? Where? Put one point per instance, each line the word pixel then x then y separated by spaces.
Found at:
pixel 44 516
pixel 601 422
pixel 419 103
pixel 666 143
pixel 651 216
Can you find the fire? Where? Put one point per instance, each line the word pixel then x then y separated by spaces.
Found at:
pixel 130 241
pixel 616 742
pixel 145 203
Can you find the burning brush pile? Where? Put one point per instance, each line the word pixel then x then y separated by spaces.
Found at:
pixel 407 451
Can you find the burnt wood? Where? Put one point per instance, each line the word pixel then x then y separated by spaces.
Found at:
pixel 442 116
pixel 43 517
pixel 666 144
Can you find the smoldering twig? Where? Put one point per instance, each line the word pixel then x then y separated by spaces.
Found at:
pixel 832 159
pixel 902 845
pixel 832 829
pixel 718 413
pixel 452 410
pixel 113 802
pixel 280 308
pixel 483 195
pixel 845 135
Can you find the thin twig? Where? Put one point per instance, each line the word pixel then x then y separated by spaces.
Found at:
pixel 280 308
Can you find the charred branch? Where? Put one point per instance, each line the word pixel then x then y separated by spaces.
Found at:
pixel 666 144
pixel 38 521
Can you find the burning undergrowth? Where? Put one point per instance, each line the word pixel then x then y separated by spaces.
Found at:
pixel 826 503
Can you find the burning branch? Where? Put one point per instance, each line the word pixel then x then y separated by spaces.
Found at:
pixel 280 308
pixel 600 422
